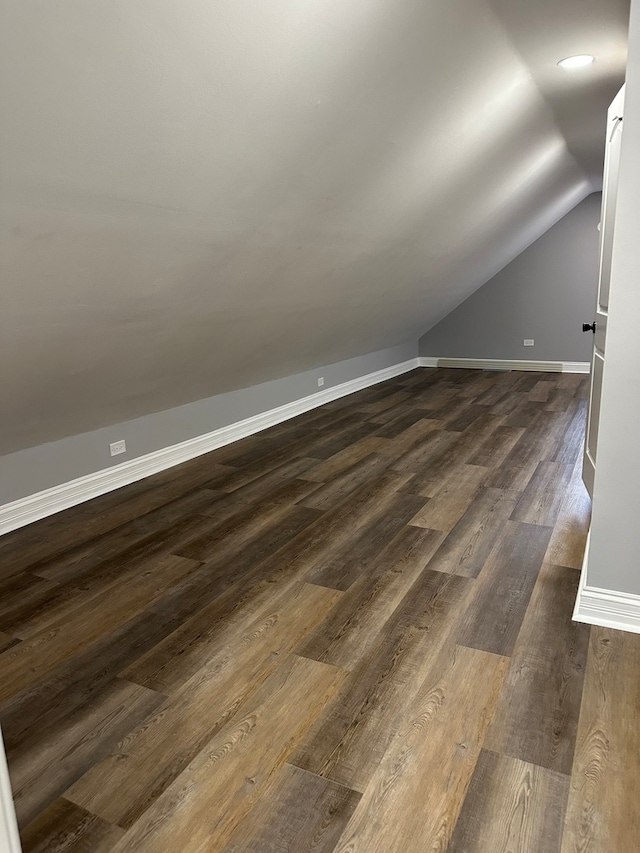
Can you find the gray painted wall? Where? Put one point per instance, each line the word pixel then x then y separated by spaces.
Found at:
pixel 545 294
pixel 614 556
pixel 37 468
pixel 204 196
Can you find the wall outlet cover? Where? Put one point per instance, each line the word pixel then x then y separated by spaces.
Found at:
pixel 118 447
pixel 528 342
pixel 320 381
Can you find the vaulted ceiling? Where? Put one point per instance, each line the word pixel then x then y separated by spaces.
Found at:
pixel 200 195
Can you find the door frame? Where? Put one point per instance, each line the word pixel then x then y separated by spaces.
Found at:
pixel 614 122
pixel 9 837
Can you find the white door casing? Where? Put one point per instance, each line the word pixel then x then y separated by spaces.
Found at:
pixel 9 838
pixel 607 225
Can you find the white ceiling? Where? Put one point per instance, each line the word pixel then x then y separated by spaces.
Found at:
pixel 544 31
pixel 199 196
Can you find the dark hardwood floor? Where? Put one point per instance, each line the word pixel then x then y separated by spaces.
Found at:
pixel 351 632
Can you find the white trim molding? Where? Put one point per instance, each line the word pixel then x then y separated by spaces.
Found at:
pixel 508 364
pixel 604 607
pixel 9 838
pixel 608 609
pixel 42 504
pixel 576 367
pixel 50 501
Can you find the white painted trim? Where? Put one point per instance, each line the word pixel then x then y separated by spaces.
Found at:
pixel 41 504
pixel 603 607
pixel 576 367
pixel 608 609
pixel 9 838
pixel 508 364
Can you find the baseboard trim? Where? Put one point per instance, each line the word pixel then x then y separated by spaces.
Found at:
pixel 618 610
pixel 507 364
pixel 32 508
pixel 576 367
pixel 9 837
pixel 602 607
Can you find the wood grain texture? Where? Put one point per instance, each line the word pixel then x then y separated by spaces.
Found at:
pixel 419 437
pixel 73 682
pixel 512 477
pixel 327 636
pixel 6 641
pixel 541 392
pixel 57 755
pixel 19 593
pixel 396 425
pixel 570 449
pixel 450 449
pixel 511 807
pixel 454 497
pixel 503 590
pixel 80 526
pixel 64 827
pixel 336 465
pixel 299 813
pixel 541 500
pixel 222 540
pixel 171 660
pixel 367 606
pixel 467 547
pixel 571 527
pixel 24 664
pixel 536 442
pixel 89 588
pixel 497 446
pixel 603 813
pixel 232 498
pixel 341 566
pixel 138 543
pixel 125 784
pixel 351 737
pixel 218 788
pixel 537 717
pixel 334 492
pixel 425 772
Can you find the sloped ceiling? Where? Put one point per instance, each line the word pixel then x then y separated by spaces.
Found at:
pixel 199 195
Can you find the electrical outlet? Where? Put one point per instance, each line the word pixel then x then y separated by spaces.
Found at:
pixel 320 381
pixel 118 447
pixel 528 342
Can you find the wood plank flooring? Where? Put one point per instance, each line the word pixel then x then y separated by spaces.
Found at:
pixel 351 632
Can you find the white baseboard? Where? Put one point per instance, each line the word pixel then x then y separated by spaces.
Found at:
pixel 41 504
pixel 576 367
pixel 9 838
pixel 604 607
pixel 506 364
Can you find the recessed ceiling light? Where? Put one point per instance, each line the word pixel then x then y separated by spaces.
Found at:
pixel 577 61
